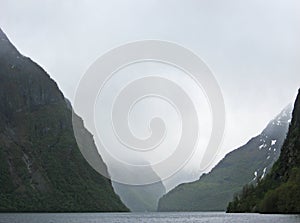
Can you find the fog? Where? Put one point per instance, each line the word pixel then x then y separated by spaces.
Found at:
pixel 251 46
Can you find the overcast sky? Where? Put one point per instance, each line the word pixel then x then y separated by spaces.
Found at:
pixel 252 46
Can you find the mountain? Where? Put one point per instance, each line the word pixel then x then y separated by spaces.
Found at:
pixel 140 198
pixel 247 164
pixel 41 167
pixel 279 191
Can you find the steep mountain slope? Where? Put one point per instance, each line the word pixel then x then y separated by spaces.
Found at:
pixel 140 198
pixel 279 191
pixel 244 165
pixel 41 167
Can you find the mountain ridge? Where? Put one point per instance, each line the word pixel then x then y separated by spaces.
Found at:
pixel 41 167
pixel 214 190
pixel 279 191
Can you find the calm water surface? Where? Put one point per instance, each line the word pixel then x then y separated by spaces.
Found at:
pixel 206 217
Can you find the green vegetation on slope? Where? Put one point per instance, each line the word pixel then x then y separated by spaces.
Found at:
pixel 41 167
pixel 279 192
pixel 214 190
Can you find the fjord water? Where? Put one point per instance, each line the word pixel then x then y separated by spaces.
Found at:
pixel 157 217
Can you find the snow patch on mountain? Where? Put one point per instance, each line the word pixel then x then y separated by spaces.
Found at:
pixel 255 176
pixel 264 173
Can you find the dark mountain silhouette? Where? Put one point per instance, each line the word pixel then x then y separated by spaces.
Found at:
pixel 41 167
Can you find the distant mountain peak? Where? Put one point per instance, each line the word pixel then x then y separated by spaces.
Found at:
pixel 284 116
pixel 279 191
pixel 247 164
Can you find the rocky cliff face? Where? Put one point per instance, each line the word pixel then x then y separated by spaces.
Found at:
pixel 279 191
pixel 41 167
pixel 247 164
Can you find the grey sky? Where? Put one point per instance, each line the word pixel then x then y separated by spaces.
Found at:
pixel 252 46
